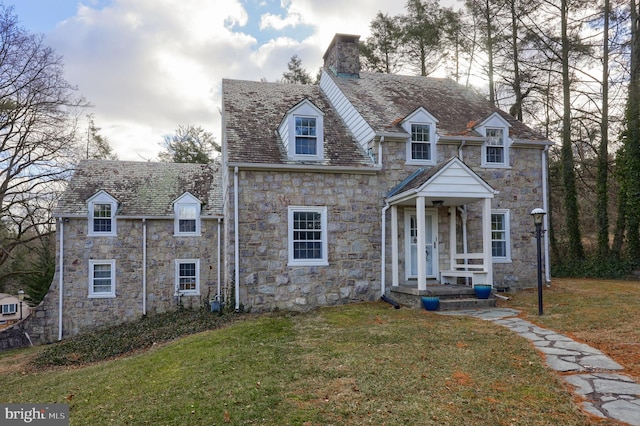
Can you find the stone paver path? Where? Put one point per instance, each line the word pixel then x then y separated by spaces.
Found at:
pixel 595 376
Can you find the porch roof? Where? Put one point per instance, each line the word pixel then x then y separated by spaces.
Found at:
pixel 450 183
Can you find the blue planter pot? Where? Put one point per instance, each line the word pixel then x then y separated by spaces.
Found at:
pixel 483 291
pixel 431 303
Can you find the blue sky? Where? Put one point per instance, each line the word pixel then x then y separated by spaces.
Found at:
pixel 148 66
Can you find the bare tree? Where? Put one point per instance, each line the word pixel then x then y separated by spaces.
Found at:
pixel 97 146
pixel 38 123
pixel 190 144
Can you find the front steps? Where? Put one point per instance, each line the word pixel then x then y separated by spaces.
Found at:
pixel 452 297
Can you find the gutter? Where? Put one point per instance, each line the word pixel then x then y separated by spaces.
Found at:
pixel 383 258
pixel 61 279
pixel 144 266
pixel 316 168
pixel 236 231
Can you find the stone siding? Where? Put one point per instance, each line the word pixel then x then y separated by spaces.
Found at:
pixel 353 206
pixel 82 313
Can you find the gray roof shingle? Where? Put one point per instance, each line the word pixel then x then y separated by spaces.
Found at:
pixel 385 99
pixel 142 188
pixel 254 110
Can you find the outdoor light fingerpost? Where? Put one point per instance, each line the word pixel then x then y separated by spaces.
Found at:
pixel 538 218
pixel 21 298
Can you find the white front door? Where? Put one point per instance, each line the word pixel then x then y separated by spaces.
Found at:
pixel 411 243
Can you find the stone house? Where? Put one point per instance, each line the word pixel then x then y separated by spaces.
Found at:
pixel 331 191
pixel 364 185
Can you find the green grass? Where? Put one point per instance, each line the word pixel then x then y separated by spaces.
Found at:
pixel 355 364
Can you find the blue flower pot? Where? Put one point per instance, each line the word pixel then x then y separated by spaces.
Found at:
pixel 431 303
pixel 483 291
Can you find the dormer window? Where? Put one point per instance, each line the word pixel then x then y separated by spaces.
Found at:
pixel 102 211
pixel 495 146
pixel 421 144
pixel 302 132
pixel 306 136
pixel 495 149
pixel 187 215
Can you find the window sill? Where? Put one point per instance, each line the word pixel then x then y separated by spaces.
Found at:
pixel 308 263
pixel 102 296
pixel 502 260
pixel 495 166
pixel 420 162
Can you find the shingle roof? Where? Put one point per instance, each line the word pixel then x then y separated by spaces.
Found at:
pixel 385 99
pixel 254 110
pixel 142 188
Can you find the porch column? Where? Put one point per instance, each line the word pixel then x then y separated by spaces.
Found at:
pixel 394 246
pixel 486 240
pixel 421 245
pixel 453 246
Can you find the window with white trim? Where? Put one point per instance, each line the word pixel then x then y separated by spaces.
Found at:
pixel 187 215
pixel 495 147
pixel 421 127
pixel 308 236
pixel 420 142
pixel 500 236
pixel 9 308
pixel 306 136
pixel 102 278
pixel 302 132
pixel 187 276
pixel 102 215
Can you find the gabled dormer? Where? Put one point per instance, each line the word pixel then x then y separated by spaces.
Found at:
pixel 421 144
pixel 186 210
pixel 495 149
pixel 302 132
pixel 102 209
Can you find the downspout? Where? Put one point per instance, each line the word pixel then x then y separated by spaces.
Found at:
pixel 460 150
pixel 545 206
pixel 380 150
pixel 236 231
pixel 383 258
pixel 144 266
pixel 219 261
pixel 61 281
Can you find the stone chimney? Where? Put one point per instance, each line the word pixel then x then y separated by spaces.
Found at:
pixel 343 56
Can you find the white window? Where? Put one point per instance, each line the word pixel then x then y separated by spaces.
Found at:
pixel 420 142
pixel 10 308
pixel 102 215
pixel 102 278
pixel 500 236
pixel 308 236
pixel 306 136
pixel 302 132
pixel 187 215
pixel 495 147
pixel 188 276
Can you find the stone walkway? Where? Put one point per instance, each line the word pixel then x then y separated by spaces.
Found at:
pixel 606 393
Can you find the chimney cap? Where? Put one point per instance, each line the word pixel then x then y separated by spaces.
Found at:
pixel 348 38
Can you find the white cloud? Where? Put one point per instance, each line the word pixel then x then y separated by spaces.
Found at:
pixel 151 65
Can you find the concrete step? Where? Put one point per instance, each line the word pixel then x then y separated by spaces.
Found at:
pixel 468 303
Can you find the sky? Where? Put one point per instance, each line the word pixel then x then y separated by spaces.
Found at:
pixel 148 66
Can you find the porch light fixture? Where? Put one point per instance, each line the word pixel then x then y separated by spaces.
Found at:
pixel 21 298
pixel 437 203
pixel 538 218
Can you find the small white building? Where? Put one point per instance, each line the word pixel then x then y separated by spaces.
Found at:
pixel 11 309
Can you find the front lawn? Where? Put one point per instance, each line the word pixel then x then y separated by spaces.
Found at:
pixel 348 365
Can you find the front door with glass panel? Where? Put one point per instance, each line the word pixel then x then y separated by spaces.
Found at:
pixel 411 243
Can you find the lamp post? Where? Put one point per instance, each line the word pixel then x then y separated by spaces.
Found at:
pixel 21 298
pixel 538 218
